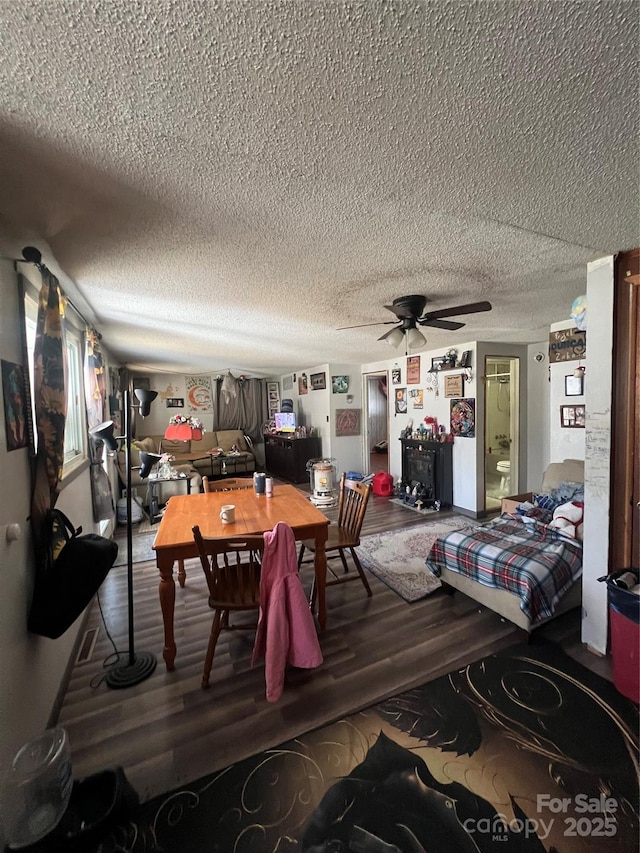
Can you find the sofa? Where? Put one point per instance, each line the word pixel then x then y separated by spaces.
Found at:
pixel 236 455
pixel 193 458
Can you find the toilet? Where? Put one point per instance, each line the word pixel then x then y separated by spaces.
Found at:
pixel 504 469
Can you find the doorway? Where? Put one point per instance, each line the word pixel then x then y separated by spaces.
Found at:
pixel 501 430
pixel 376 422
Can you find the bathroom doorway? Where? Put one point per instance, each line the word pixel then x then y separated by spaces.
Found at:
pixel 376 422
pixel 501 430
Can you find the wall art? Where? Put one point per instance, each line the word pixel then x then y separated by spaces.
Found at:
pixel 348 421
pixel 417 397
pixel 175 402
pixel 199 396
pixel 567 345
pixel 339 384
pixel 396 375
pixel 401 401
pixel 318 381
pixel 303 386
pixel 572 416
pixel 413 370
pixel 573 386
pixel 463 417
pixel 454 385
pixel 14 395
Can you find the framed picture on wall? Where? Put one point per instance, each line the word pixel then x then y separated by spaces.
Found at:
pixel 175 402
pixel 413 370
pixel 572 416
pixel 339 384
pixel 573 385
pixel 454 385
pixel 318 381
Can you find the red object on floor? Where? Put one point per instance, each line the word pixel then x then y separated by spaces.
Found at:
pixel 625 660
pixel 382 484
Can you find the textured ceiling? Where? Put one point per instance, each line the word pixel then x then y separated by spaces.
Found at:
pixel 224 184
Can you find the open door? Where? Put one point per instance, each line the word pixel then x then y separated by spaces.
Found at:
pixel 376 422
pixel 501 429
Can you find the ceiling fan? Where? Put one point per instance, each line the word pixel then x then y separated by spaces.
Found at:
pixel 408 311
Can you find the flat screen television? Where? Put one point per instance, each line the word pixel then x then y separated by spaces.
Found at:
pixel 285 421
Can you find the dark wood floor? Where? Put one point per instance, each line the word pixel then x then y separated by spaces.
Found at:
pixel 167 730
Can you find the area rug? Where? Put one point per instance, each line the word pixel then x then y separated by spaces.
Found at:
pixel 397 557
pixel 525 750
pixel 142 548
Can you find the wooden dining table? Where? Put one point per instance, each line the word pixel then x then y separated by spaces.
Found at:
pixel 254 514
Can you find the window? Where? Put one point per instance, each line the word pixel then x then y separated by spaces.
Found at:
pixel 74 431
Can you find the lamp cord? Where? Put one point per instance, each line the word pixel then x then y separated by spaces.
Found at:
pixel 111 659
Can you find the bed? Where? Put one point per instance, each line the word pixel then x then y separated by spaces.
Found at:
pixel 518 565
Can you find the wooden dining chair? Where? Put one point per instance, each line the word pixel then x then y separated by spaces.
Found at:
pixel 228 484
pixel 231 567
pixel 344 536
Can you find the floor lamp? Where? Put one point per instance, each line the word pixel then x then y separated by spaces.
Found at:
pixel 138 665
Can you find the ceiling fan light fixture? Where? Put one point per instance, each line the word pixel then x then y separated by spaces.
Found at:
pixel 394 338
pixel 415 338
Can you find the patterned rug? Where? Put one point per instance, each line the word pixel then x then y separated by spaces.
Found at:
pixel 142 547
pixel 397 557
pixel 525 751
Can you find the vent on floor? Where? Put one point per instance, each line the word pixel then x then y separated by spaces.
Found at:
pixel 85 652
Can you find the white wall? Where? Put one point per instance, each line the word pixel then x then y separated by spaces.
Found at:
pixel 598 386
pixel 564 442
pixel 31 667
pixel 537 407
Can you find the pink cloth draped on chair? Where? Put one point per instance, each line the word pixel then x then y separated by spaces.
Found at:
pixel 286 632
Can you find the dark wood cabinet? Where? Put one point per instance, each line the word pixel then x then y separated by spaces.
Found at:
pixel 429 463
pixel 286 457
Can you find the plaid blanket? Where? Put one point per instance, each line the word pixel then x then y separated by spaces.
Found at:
pixel 534 561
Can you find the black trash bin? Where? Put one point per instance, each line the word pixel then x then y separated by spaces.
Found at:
pixel 624 631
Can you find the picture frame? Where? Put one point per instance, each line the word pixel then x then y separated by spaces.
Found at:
pixel 318 381
pixel 438 362
pixel 302 384
pixel 454 385
pixel 15 396
pixel 175 402
pixel 348 422
pixel 413 370
pixel 463 417
pixel 400 401
pixel 465 359
pixel 396 375
pixel 339 384
pixel 572 417
pixel 573 385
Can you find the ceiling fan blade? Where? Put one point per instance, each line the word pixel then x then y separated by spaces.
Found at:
pixel 471 308
pixel 362 325
pixel 442 324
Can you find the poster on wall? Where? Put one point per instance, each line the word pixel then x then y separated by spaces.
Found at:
pixel 567 345
pixel 199 393
pixel 401 401
pixel 396 375
pixel 463 417
pixel 413 370
pixel 15 408
pixel 303 386
pixel 348 421
pixel 417 397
